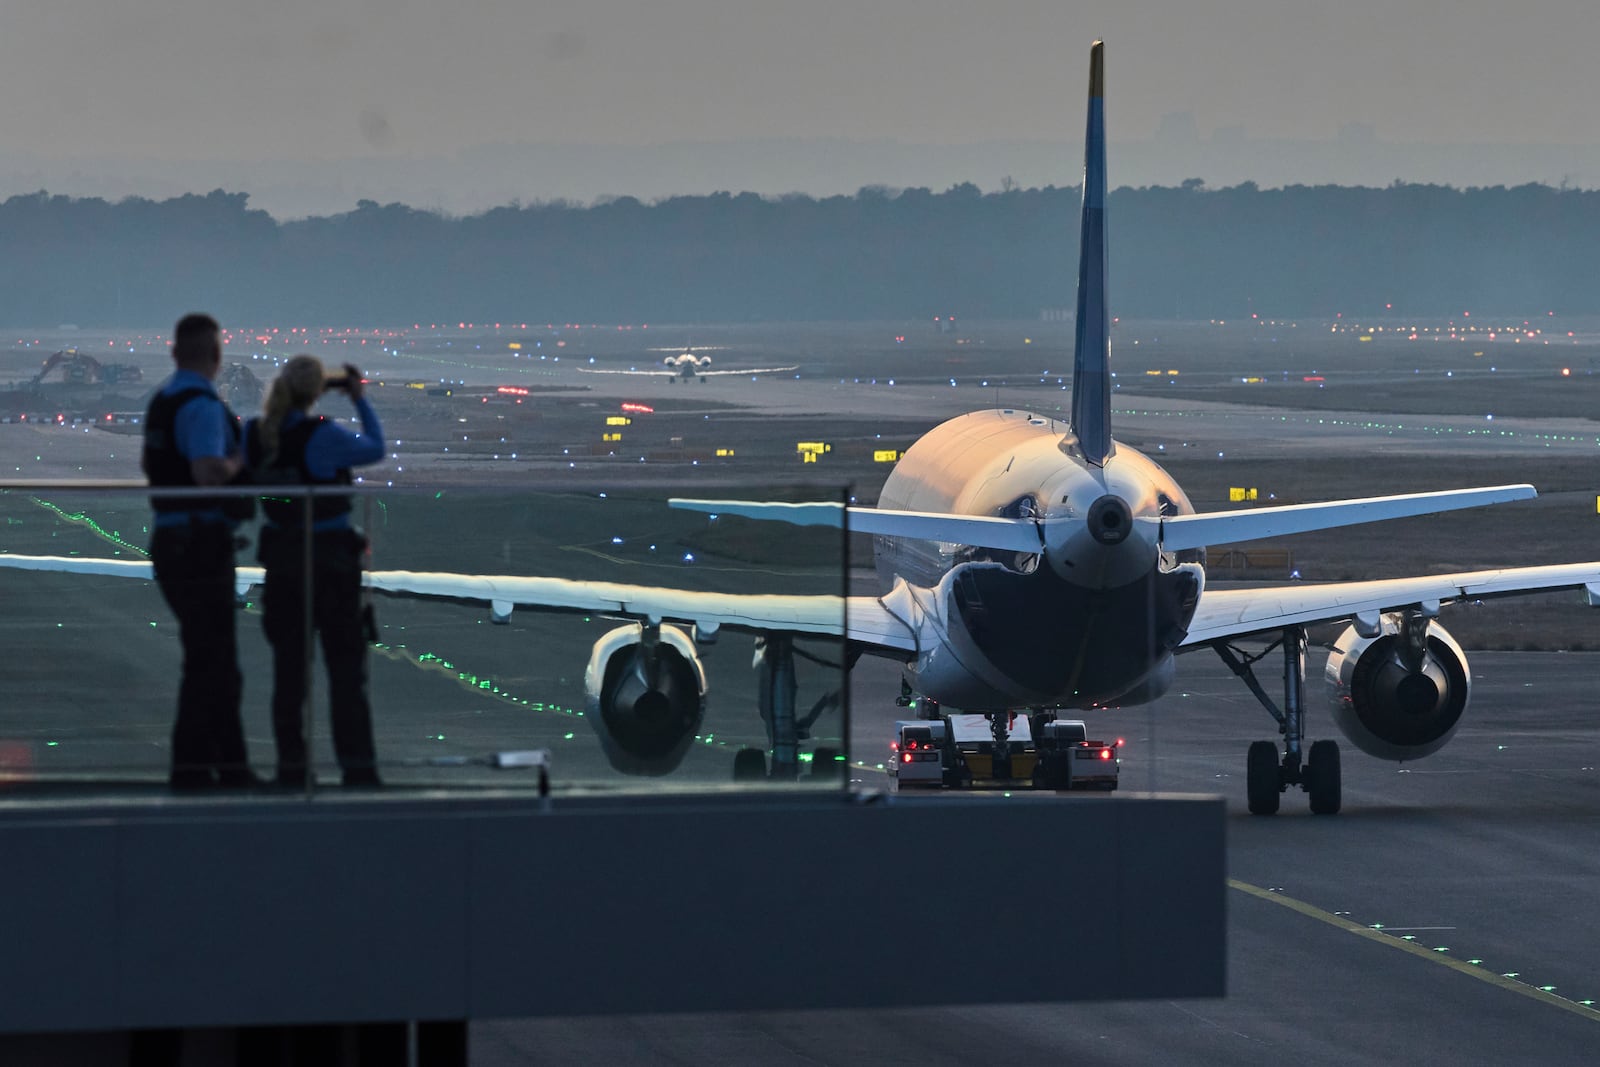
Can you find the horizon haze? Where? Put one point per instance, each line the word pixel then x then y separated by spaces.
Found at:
pixel 309 107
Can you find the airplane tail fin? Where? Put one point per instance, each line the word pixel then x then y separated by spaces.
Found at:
pixel 1091 371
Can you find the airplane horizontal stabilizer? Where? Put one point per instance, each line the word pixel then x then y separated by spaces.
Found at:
pixel 1013 535
pixel 1226 527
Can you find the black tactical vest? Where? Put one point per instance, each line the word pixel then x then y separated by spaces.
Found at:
pixel 288 467
pixel 166 466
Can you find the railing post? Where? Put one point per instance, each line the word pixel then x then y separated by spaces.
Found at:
pixel 307 591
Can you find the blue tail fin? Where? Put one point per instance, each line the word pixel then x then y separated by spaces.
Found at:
pixel 1091 358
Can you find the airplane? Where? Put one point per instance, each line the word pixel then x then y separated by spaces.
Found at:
pixel 1029 564
pixel 688 366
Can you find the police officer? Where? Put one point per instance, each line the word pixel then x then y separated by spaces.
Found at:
pixel 289 445
pixel 192 439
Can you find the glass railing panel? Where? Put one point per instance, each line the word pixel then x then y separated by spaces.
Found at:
pixel 458 687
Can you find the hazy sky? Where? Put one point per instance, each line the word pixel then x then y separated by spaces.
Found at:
pixel 323 79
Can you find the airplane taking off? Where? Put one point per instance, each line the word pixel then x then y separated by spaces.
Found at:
pixel 688 367
pixel 1031 565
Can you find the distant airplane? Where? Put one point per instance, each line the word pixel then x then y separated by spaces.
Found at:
pixel 688 367
pixel 1027 564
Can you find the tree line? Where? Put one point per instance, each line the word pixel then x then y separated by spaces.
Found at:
pixel 1176 252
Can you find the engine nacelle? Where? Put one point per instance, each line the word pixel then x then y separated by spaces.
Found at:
pixel 1388 710
pixel 646 697
pixel 1150 688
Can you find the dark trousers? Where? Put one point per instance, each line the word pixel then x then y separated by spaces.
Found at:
pixel 194 569
pixel 337 616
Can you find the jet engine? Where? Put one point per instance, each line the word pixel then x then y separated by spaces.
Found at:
pixel 646 697
pixel 1150 687
pixel 1400 693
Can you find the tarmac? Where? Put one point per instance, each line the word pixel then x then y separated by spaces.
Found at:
pixel 1446 915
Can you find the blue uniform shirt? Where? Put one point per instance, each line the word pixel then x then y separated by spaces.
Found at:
pixel 200 430
pixel 333 448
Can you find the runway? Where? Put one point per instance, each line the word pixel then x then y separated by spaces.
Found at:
pixel 1447 915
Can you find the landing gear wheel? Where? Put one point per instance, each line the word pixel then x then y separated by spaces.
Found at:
pixel 825 763
pixel 750 765
pixel 1262 781
pixel 1322 778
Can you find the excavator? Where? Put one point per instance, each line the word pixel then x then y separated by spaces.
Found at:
pixel 80 368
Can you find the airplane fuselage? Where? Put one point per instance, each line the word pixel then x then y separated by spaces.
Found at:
pixel 1090 619
pixel 687 366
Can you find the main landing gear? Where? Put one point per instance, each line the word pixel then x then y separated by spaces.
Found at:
pixel 774 663
pixel 1266 776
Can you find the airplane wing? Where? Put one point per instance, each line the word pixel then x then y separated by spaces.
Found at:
pixel 671 372
pixel 752 370
pixel 861 619
pixel 244 577
pixel 1226 613
pixel 869 621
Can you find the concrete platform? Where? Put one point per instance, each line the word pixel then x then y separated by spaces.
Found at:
pixel 271 911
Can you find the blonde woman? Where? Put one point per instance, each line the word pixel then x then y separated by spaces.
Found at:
pixel 289 445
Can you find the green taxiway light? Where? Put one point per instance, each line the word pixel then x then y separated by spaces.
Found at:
pixel 1548 988
pixel 1476 963
pixel 566 737
pixel 1440 948
pixel 152 625
pixel 438 737
pixel 1408 937
pixel 51 744
pixel 1587 1003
